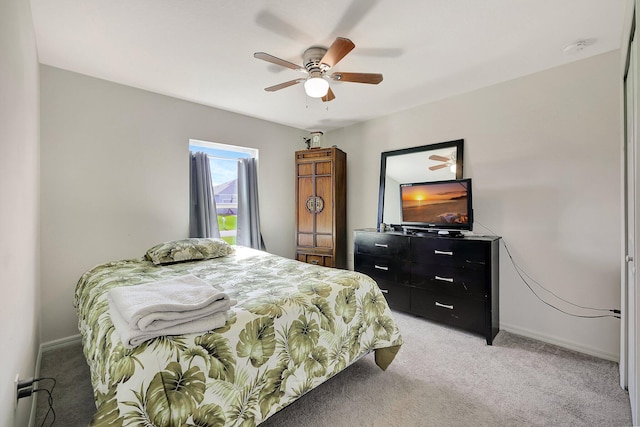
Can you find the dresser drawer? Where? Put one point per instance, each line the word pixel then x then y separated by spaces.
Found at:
pixel 451 280
pixel 382 268
pixel 381 244
pixel 465 313
pixel 315 259
pixel 398 297
pixel 450 251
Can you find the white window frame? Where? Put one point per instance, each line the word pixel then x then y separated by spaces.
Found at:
pixel 252 152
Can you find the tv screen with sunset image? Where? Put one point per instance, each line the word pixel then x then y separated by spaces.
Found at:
pixel 440 204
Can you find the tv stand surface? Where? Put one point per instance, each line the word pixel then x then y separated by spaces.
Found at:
pixel 452 280
pixel 419 231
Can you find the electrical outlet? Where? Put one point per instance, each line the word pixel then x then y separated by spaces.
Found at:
pixel 15 391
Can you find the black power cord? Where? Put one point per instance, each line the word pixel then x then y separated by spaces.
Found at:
pixel 524 276
pixel 49 400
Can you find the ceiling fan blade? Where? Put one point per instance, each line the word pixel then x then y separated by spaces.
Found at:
pixel 369 78
pixel 439 158
pixel 338 50
pixel 329 96
pixel 436 167
pixel 278 61
pixel 283 85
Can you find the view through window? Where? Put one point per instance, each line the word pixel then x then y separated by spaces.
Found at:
pixel 223 161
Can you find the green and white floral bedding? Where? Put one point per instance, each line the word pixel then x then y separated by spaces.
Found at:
pixel 295 325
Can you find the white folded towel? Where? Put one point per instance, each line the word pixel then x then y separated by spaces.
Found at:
pixel 159 320
pixel 132 337
pixel 157 306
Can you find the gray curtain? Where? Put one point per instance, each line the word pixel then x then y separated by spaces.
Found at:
pixel 203 218
pixel 248 213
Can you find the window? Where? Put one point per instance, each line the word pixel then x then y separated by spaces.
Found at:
pixel 223 160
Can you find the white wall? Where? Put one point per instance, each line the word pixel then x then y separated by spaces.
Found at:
pixel 115 178
pixel 543 151
pixel 544 155
pixel 19 315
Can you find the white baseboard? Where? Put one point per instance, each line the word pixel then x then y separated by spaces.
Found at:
pixel 44 347
pixel 559 342
pixel 59 343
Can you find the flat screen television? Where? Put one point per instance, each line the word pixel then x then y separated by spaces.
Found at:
pixel 437 205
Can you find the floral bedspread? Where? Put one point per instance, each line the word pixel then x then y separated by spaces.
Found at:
pixel 295 326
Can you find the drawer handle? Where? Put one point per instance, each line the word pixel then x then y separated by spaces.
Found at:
pixel 314 262
pixel 381 267
pixel 381 245
pixel 384 291
pixel 445 279
pixel 437 252
pixel 450 307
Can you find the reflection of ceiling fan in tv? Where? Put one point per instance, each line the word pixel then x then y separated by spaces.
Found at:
pixel 449 161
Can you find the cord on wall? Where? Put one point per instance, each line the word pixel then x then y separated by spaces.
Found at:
pixel 524 276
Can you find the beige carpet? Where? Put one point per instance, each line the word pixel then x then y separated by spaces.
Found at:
pixel 441 377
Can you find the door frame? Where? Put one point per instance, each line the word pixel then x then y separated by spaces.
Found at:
pixel 630 298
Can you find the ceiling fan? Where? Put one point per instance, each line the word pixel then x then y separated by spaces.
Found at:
pixel 446 161
pixel 317 62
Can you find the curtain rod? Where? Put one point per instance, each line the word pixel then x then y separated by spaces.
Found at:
pixel 211 156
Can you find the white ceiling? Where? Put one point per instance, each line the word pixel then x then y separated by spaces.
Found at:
pixel 202 50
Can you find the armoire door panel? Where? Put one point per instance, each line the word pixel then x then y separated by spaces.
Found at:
pixel 305 218
pixel 324 240
pixel 324 218
pixel 305 239
pixel 323 168
pixel 305 169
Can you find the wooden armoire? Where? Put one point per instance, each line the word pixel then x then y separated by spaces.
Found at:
pixel 321 207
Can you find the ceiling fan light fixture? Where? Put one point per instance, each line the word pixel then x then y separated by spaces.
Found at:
pixel 316 87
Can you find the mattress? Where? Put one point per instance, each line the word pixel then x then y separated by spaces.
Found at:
pixel 294 326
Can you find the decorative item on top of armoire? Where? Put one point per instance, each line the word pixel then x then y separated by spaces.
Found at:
pixel 321 207
pixel 316 139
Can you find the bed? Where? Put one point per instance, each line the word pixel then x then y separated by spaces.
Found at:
pixel 293 326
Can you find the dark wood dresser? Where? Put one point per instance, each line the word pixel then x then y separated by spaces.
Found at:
pixel 453 280
pixel 321 207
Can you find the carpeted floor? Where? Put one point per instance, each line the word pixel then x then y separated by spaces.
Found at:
pixel 441 377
